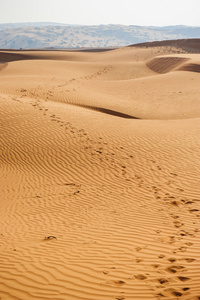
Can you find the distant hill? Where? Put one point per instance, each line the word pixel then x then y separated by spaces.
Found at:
pixel 4 26
pixel 55 35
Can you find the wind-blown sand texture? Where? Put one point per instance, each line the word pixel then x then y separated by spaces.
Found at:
pixel 99 174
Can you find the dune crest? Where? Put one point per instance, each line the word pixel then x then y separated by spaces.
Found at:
pixel 188 45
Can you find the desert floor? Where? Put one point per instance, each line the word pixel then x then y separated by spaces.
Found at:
pixel 99 174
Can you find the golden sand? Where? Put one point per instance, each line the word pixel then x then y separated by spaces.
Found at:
pixel 99 174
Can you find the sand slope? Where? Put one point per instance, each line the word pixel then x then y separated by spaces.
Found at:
pixel 99 174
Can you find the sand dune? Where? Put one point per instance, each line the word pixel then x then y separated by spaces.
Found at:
pixel 166 64
pixel 99 157
pixel 191 67
pixel 188 45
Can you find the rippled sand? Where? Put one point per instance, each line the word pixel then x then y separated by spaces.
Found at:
pixel 99 174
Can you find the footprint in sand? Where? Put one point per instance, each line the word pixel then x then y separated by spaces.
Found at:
pixel 185 289
pixel 118 282
pixel 182 278
pixel 105 272
pixel 155 266
pixel 162 280
pixel 173 174
pixel 174 203
pixel 189 260
pixel 138 260
pixel 178 224
pixel 176 293
pixel 140 277
pixel 188 202
pixel 138 249
pixel 161 256
pixel 180 249
pixel 174 269
pixel 193 210
pixel 170 291
pixel 174 216
pixel 172 259
pixel 189 244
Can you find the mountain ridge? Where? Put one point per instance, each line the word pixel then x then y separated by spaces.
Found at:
pixel 55 35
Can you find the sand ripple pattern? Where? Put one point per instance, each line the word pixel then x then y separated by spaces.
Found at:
pixel 94 205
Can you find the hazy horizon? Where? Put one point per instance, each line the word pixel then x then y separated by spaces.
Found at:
pixel 126 12
pixel 120 24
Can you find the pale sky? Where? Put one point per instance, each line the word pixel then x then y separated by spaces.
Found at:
pixel 95 12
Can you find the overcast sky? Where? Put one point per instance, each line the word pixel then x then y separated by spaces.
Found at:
pixel 94 12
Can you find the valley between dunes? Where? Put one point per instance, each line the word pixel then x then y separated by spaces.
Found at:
pixel 99 173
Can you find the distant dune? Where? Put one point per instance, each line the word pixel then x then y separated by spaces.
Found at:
pixel 99 173
pixel 188 45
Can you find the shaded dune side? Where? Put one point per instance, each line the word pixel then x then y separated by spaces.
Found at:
pixel 190 68
pixel 108 111
pixel 189 45
pixel 93 50
pixel 163 65
pixel 3 66
pixel 44 55
pixel 8 57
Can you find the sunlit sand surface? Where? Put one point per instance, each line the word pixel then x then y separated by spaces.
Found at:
pixel 99 174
